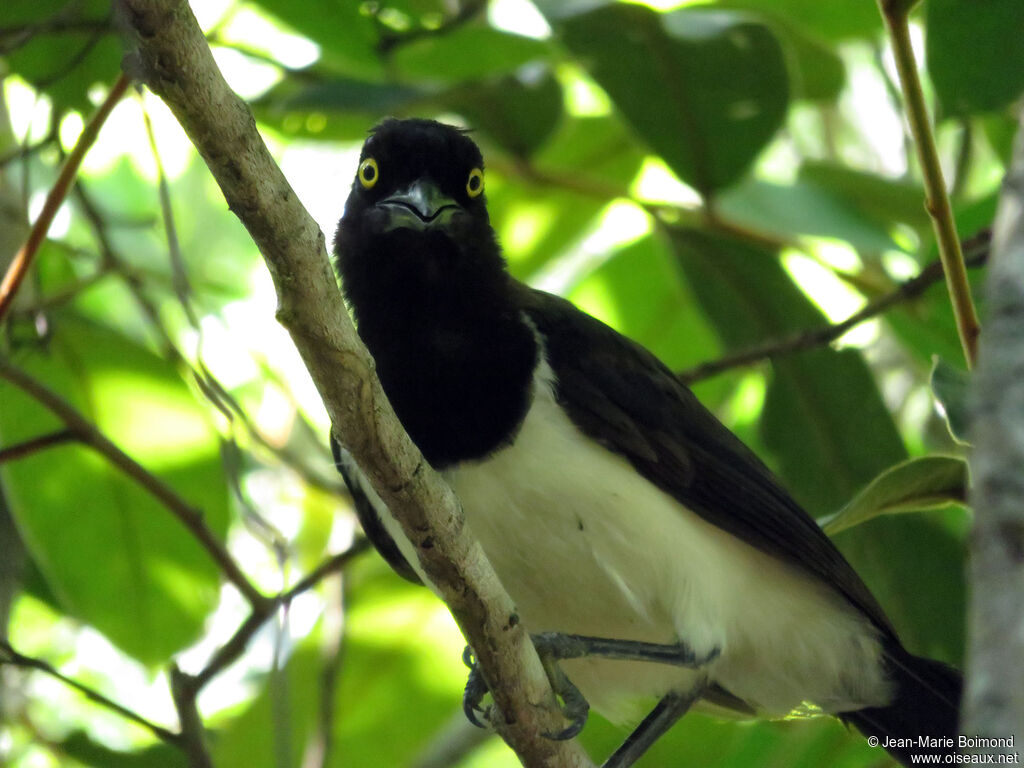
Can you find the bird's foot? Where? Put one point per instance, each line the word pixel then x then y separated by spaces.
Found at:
pixel 553 647
pixel 574 706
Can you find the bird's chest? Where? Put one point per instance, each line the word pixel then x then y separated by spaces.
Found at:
pixel 460 390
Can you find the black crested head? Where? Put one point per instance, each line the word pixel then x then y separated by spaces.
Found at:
pixel 421 269
pixel 415 224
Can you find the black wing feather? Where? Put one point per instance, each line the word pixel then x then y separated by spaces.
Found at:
pixel 369 516
pixel 621 395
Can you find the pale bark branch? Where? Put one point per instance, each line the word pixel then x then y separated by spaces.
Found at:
pixel 994 700
pixel 172 57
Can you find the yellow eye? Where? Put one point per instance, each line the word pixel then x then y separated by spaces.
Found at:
pixel 475 183
pixel 368 173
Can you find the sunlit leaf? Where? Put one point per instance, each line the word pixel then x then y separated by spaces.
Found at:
pixel 111 553
pixel 471 52
pixel 927 482
pixel 705 89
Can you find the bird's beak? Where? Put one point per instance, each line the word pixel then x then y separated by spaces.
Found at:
pixel 420 206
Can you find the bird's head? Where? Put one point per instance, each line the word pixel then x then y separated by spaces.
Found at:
pixel 416 218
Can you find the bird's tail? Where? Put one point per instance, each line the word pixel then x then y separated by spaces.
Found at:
pixel 924 713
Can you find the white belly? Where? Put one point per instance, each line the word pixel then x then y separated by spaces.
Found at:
pixel 585 545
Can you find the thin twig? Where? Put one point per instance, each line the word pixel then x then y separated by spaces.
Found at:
pixel 28 447
pixel 817 337
pixel 12 657
pixel 179 274
pixel 896 13
pixel 23 259
pixel 228 653
pixel 89 433
pixel 184 695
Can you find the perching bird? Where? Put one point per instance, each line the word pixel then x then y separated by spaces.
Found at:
pixel 610 502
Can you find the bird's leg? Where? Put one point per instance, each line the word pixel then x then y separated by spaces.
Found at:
pixel 664 715
pixel 553 647
pixel 561 646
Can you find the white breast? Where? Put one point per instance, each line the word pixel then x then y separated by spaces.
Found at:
pixel 584 544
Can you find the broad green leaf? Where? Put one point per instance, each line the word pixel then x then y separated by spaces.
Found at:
pixel 347 35
pixel 817 71
pixel 538 222
pixel 975 52
pixel 519 112
pixel 927 482
pixel 64 62
pixel 949 386
pixel 111 553
pixel 885 201
pixel 802 208
pixel 705 89
pixel 832 21
pixel 81 747
pixel 639 293
pixel 470 52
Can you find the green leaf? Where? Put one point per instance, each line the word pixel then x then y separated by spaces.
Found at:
pixel 950 386
pixel 346 35
pixel 817 71
pixel 64 63
pixel 974 52
pixel 469 52
pixel 705 89
pixel 803 208
pixel 831 21
pixel 81 747
pixel 113 555
pixel 883 200
pixel 927 482
pixel 519 112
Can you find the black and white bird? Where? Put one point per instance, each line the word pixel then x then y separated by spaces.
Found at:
pixel 610 502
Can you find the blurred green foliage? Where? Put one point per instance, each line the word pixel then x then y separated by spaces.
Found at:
pixel 705 178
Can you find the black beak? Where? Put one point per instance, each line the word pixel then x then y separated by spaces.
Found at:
pixel 420 206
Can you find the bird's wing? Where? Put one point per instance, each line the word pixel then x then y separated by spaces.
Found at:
pixel 621 395
pixel 363 499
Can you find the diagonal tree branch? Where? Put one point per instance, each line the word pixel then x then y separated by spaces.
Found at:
pixel 172 57
pixel 976 255
pixel 8 655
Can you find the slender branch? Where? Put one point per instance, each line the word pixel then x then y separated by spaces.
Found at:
pixel 895 13
pixel 89 434
pixel 228 653
pixel 179 274
pixel 192 741
pixel 23 259
pixel 28 447
pixel 12 657
pixel 818 337
pixel 173 58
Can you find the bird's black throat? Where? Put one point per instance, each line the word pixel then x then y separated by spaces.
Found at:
pixel 453 353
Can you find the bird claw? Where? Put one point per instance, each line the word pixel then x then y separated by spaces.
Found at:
pixel 474 693
pixel 574 708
